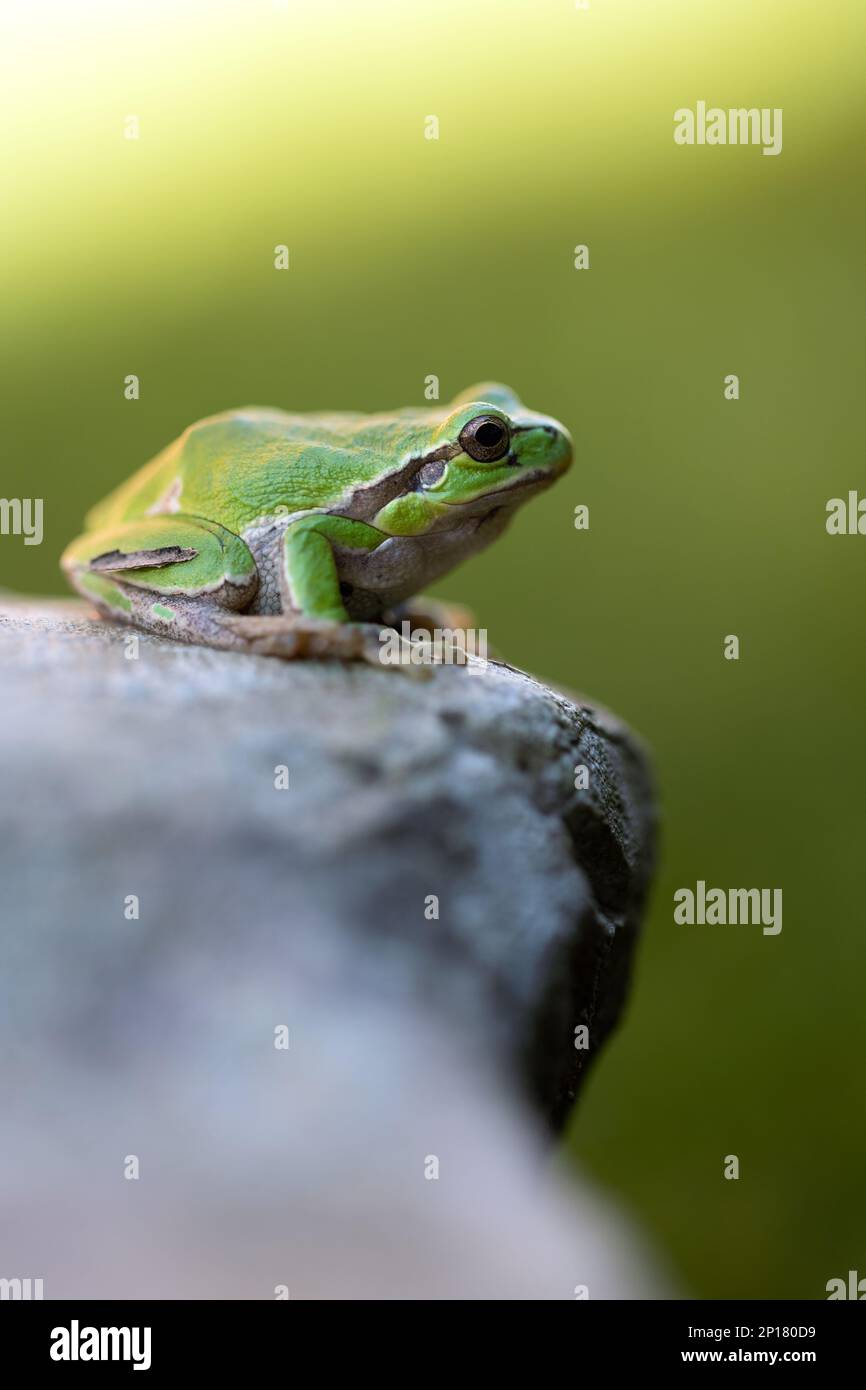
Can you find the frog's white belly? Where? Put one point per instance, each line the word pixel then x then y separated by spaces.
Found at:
pixel 266 543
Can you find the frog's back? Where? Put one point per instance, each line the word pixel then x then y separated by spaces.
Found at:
pixel 244 464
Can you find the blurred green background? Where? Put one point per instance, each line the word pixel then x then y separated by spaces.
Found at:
pixel 303 123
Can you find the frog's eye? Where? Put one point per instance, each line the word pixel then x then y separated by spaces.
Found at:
pixel 485 438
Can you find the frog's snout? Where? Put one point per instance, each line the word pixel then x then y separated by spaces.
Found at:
pixel 561 447
pixel 546 445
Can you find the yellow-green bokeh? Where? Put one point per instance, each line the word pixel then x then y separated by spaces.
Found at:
pixel 304 124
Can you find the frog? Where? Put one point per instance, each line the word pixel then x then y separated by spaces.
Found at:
pixel 305 535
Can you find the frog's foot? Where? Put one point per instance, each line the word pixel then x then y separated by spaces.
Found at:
pixel 297 637
pixel 428 614
pixel 451 625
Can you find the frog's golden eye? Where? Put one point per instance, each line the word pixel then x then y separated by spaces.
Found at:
pixel 485 438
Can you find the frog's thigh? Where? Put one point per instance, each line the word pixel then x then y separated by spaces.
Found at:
pixel 166 573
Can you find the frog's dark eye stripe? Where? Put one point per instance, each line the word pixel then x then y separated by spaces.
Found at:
pixel 486 438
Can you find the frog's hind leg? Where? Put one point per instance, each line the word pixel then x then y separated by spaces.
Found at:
pixel 295 636
pixel 174 575
pixel 190 579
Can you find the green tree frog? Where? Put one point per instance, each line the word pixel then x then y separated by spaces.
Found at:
pixel 300 535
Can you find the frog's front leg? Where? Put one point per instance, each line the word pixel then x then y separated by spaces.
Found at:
pixel 175 575
pixel 314 621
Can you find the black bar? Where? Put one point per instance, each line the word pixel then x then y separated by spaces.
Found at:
pixel 221 1338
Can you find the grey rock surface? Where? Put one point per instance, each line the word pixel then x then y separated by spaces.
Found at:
pixel 148 770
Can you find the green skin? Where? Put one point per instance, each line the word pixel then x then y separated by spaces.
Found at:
pixel 299 535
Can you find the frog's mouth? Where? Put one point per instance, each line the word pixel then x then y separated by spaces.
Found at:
pixel 508 496
pixel 503 496
pixel 539 477
pixel 490 507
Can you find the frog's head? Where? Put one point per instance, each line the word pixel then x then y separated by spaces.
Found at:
pixel 482 457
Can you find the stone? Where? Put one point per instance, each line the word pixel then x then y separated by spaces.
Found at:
pixel 203 852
